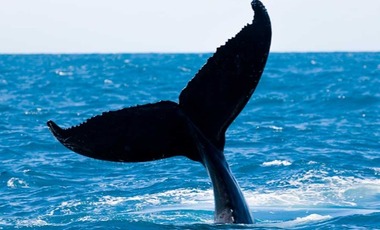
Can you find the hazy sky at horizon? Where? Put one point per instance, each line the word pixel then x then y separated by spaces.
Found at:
pixel 83 26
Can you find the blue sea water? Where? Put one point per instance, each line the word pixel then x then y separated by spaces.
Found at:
pixel 305 150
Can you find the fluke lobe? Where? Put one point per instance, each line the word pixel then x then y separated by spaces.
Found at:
pixel 195 127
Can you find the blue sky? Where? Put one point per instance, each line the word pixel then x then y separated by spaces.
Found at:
pixel 82 26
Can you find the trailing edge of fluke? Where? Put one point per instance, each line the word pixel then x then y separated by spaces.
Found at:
pixel 195 127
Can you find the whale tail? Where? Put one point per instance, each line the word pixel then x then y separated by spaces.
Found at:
pixel 195 127
pixel 210 101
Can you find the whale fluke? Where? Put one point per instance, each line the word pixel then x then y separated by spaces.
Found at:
pixel 195 127
pixel 136 134
pixel 223 86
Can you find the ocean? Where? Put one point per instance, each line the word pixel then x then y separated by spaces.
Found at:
pixel 305 150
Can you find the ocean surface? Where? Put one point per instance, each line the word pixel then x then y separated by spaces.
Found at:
pixel 305 150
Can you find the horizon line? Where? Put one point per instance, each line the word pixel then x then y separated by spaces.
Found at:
pixel 175 52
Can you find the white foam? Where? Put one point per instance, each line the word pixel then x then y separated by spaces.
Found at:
pixel 331 191
pixel 178 199
pixel 276 163
pixel 335 191
pixel 302 126
pixel 108 82
pixel 4 223
pixel 276 128
pixel 109 200
pixel 63 73
pixel 65 208
pixel 312 218
pixel 70 204
pixel 93 219
pixel 300 201
pixel 377 171
pixel 184 69
pixel 31 223
pixel 313 62
pixel 17 183
pixel 86 219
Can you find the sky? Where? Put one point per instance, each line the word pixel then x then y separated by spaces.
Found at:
pixel 125 26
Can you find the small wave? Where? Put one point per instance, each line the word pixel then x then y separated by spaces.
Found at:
pixel 93 219
pixel 299 221
pixel 312 217
pixel 4 223
pixel 332 191
pixel 109 200
pixel 276 163
pixel 32 223
pixel 17 183
pixel 184 69
pixel 35 111
pixel 63 73
pixel 341 192
pixel 69 207
pixel 108 82
pixel 185 197
pixel 276 128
